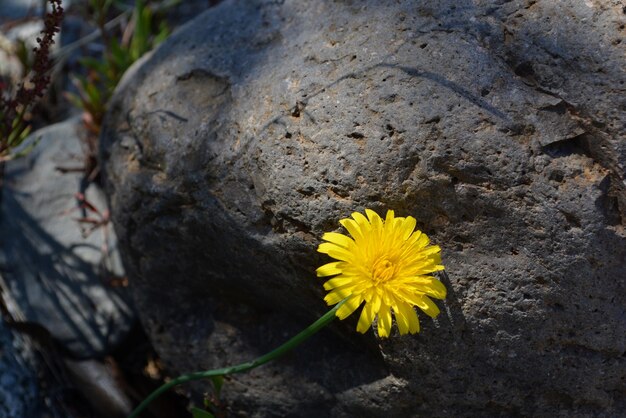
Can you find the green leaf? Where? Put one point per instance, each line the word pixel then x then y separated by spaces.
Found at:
pixel 18 131
pixel 139 44
pixel 118 53
pixel 22 53
pixel 164 32
pixel 93 93
pixel 28 148
pixel 93 64
pixel 201 413
pixel 21 136
pixel 106 6
pixel 218 382
pixel 74 99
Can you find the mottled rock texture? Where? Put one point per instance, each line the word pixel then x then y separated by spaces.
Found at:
pixel 499 125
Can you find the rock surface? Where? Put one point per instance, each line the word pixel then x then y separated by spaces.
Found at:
pixel 499 126
pixel 57 276
pixel 18 378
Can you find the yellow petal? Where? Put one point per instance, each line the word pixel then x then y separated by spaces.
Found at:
pixel 362 221
pixel 433 249
pixel 410 316
pixel 437 289
pixel 389 217
pixel 401 320
pixel 422 241
pixel 432 287
pixel 353 228
pixel 426 267
pixel 408 226
pixel 336 296
pixel 366 318
pixel 435 259
pixel 335 251
pixel 329 269
pixel 384 321
pixel 388 298
pixel 376 302
pixel 338 282
pixel 338 239
pixel 412 239
pixel 356 270
pixel 375 220
pixel 429 307
pixel 350 306
pixel 397 230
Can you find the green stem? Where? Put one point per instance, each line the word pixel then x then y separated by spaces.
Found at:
pixel 288 346
pixel 16 129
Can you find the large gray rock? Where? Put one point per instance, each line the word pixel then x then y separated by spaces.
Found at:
pixel 58 276
pixel 498 126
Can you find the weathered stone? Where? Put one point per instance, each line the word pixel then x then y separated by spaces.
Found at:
pixel 498 126
pixel 57 276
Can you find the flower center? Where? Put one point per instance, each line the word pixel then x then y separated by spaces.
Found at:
pixel 382 270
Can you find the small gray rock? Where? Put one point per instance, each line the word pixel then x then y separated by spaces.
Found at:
pixel 57 276
pixel 497 125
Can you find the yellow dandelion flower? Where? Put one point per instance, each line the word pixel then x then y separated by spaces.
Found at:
pixel 387 264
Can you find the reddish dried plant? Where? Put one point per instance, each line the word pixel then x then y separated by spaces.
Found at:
pixel 14 108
